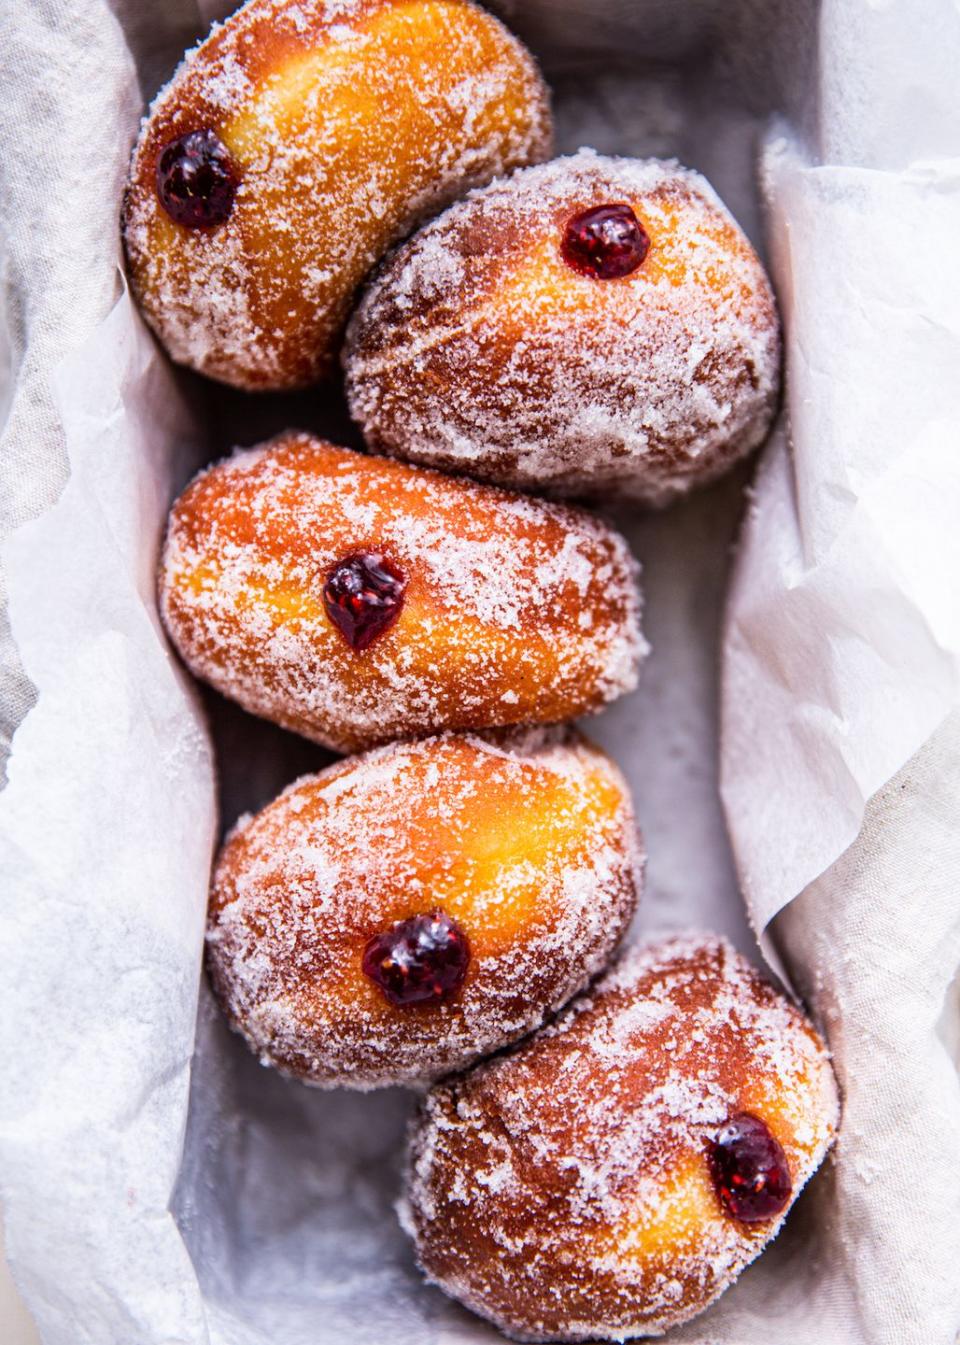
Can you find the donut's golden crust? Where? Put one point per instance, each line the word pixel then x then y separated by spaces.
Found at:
pixel 477 348
pixel 529 844
pixel 347 119
pixel 563 1190
pixel 516 611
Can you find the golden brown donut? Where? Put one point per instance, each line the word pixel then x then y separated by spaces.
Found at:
pixel 355 600
pixel 613 1174
pixel 404 912
pixel 589 325
pixel 291 148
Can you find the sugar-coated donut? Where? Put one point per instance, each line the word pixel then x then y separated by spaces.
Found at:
pixel 356 600
pixel 588 325
pixel 291 148
pixel 404 912
pixel 612 1175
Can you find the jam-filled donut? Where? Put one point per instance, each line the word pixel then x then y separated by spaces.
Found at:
pixel 609 1177
pixel 356 600
pixel 588 325
pixel 291 148
pixel 404 912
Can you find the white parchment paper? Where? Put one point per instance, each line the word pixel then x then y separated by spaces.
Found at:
pixel 844 633
pixel 249 1210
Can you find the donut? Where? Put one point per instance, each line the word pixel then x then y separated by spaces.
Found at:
pixel 356 600
pixel 406 911
pixel 588 326
pixel 291 148
pixel 613 1174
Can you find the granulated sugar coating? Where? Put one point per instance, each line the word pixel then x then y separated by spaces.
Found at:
pixel 478 348
pixel 526 841
pixel 514 610
pixel 346 121
pixel 564 1190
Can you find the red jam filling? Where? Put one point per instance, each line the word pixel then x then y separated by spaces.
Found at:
pixel 749 1170
pixel 606 242
pixel 422 960
pixel 363 596
pixel 196 180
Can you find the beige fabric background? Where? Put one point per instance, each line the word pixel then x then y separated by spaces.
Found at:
pixel 16 1324
pixel 52 298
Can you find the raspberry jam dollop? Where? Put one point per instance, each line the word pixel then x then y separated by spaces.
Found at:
pixel 749 1170
pixel 363 596
pixel 422 960
pixel 196 180
pixel 605 242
